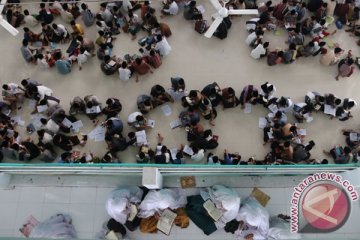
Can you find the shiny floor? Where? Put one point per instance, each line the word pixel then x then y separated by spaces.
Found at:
pixel 199 61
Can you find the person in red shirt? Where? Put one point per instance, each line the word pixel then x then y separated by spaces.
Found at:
pixel 141 67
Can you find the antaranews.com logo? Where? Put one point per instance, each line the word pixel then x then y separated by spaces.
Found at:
pixel 321 203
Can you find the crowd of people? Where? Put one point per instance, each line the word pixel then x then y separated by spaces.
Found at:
pixel 41 48
pixel 57 134
pixel 303 21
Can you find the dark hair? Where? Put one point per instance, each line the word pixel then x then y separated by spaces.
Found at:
pixel 24 82
pixel 138 61
pixel 293 129
pixel 292 12
pixel 159 37
pixel 107 58
pixel 337 50
pixel 278 114
pixel 152 52
pixel 347 150
pixel 280 54
pixel 337 101
pixel 131 134
pixel 83 6
pixel 42 5
pixel 266 44
pixel 5 86
pixel 193 93
pixel 350 61
pixel 195 149
pixel 163 149
pixel 26 12
pixel 139 118
pixel 25 42
pixel 101 33
pixel 124 64
pixel 287 144
pixel 72 22
pixel 311 44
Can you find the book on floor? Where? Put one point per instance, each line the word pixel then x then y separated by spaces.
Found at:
pixel 166 221
pixel 29 225
pixel 212 210
pixel 111 235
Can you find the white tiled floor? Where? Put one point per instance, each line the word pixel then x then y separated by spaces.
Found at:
pixel 86 207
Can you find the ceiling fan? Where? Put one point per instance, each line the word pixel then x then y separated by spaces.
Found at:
pixel 4 23
pixel 223 12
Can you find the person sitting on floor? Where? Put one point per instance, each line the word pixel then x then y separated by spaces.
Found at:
pixel 190 11
pixel 110 65
pixel 144 104
pixel 159 95
pixel 140 68
pixel 229 99
pixel 113 107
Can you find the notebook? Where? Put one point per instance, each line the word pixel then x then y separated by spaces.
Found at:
pixel 176 123
pixel 211 209
pixel 166 221
pixel 29 225
pixel 262 197
pixel 42 108
pixel 151 123
pixel 133 212
pixel 188 150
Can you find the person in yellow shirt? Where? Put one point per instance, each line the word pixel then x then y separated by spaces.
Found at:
pixel 78 30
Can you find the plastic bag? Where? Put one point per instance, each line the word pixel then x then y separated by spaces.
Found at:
pixel 156 201
pixel 118 202
pixel 280 229
pixel 254 214
pixel 227 199
pixel 57 227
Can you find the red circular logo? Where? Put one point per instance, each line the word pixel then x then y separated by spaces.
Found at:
pixel 326 207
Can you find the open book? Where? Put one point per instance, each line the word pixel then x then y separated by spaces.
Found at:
pixel 133 212
pixel 211 209
pixel 166 221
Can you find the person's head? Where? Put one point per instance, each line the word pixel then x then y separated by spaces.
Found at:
pixel 278 114
pixel 284 1
pixel 42 5
pixel 280 54
pixel 24 82
pixel 65 6
pixel 270 9
pixel 268 3
pixel 357 9
pixel 337 50
pixel 83 6
pixel 159 37
pixel 130 14
pixel 266 44
pixel 282 102
pixel 231 91
pixel 193 94
pixel 82 49
pixel 311 44
pixel 57 55
pixel 215 159
pixel 277 126
pixel 322 44
pixel 43 121
pixel 259 32
pixel 142 155
pixel 163 149
pixel 41 133
pixel 351 104
pixel 26 12
pixel 350 61
pixel 347 150
pixel 5 87
pixel 287 144
pixel 152 52
pixel 195 150
pixel 337 101
pixel 181 81
pixel 80 39
pixel 123 64
pixel 293 12
pixel 107 157
pixel 25 42
pixel 54 26
pixel 192 4
pixel 324 5
pixel 101 33
pixel 147 103
pixel 324 161
pixel 139 118
pixel 322 22
pixel 72 23
pixel 107 58
pixel 293 129
pixel 158 88
pixel 131 135
pixel 89 104
pixel 138 61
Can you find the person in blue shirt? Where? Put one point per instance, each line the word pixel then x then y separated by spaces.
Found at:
pixel 62 65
